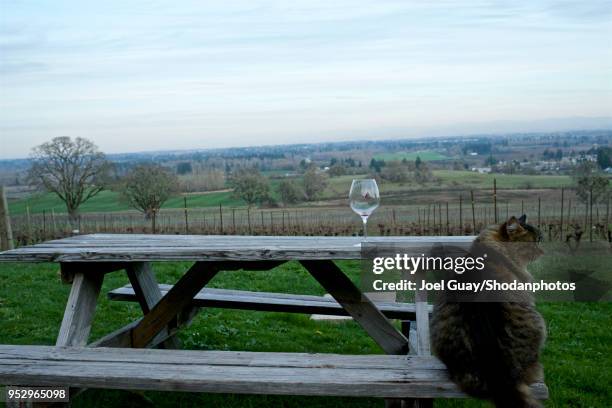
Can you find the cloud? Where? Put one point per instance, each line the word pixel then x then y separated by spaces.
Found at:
pixel 242 69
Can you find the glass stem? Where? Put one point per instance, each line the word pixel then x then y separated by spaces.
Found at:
pixel 365 227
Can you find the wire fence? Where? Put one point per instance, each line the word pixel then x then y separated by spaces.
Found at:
pixel 557 215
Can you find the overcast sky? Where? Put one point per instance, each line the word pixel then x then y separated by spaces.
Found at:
pixel 136 76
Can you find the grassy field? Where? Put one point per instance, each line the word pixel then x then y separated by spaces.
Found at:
pixel 108 201
pixel 425 155
pixel 472 179
pixel 454 180
pixel 577 356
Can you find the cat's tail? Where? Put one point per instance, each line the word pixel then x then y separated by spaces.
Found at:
pixel 519 397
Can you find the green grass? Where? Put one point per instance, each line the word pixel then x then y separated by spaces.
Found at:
pixel 453 180
pixel 520 181
pixel 107 201
pixel 425 155
pixel 225 198
pixel 104 201
pixel 577 356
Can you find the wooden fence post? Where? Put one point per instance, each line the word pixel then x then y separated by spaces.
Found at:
pixel 495 199
pixel 6 232
pixel 473 211
pixel 561 221
pixel 29 224
pixel 186 216
pixel 586 213
pixel 221 218
pixel 591 214
pixel 233 220
pixel 539 211
pixel 440 218
pixel 249 219
pixel 53 221
pixel 434 218
pixel 447 221
pixel 569 212
pixel 460 214
pixel 608 212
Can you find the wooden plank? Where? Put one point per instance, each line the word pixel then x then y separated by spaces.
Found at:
pixel 223 239
pixel 358 306
pixel 68 270
pixel 231 372
pixel 422 338
pixel 6 233
pixel 118 338
pixel 80 308
pixel 147 294
pixel 273 302
pixel 122 337
pixel 422 322
pixel 140 248
pixel 144 285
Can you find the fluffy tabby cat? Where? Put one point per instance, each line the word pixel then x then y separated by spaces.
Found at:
pixel 492 349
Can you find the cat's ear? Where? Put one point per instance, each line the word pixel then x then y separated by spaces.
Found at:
pixel 512 227
pixel 523 219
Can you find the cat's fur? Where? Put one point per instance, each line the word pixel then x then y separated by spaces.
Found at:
pixel 492 349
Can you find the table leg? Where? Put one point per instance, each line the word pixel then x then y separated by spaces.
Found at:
pixel 362 310
pixel 358 306
pixel 78 316
pixel 174 302
pixel 148 294
pixel 423 347
pixel 80 309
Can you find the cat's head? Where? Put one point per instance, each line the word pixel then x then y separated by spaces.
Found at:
pixel 526 236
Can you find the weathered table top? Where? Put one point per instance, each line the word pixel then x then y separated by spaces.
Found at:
pixel 140 247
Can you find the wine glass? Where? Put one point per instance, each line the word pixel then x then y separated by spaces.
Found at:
pixel 364 198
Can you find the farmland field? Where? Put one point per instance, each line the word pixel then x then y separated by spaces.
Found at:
pixel 425 155
pixel 108 201
pixel 457 180
pixel 472 179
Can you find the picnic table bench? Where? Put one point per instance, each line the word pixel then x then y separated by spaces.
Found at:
pixel 126 358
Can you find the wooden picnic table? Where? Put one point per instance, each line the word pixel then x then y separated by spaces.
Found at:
pixel 84 260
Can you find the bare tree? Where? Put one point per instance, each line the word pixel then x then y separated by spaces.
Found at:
pixel 315 183
pixel 590 181
pixel 147 187
pixel 75 170
pixel 251 186
pixel 395 171
pixel 290 192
